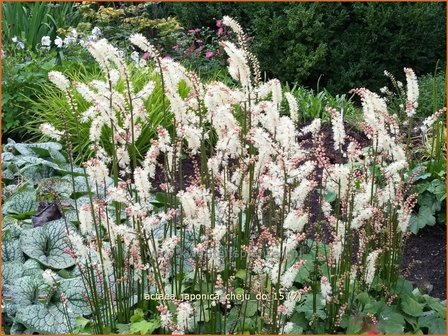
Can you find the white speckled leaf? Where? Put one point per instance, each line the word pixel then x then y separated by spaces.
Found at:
pixel 11 251
pixel 20 203
pixel 11 271
pixel 47 244
pixel 50 318
pixel 28 290
pixel 32 267
pixel 47 145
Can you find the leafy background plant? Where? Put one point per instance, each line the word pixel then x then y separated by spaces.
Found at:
pixel 326 43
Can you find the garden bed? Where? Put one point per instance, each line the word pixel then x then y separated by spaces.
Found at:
pixel 170 203
pixel 424 260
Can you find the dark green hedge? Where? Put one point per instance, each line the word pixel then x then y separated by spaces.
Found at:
pixel 346 45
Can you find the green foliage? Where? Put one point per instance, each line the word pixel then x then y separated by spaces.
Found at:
pixel 312 105
pixel 432 93
pixel 411 312
pixel 52 103
pixel 431 199
pixel 308 43
pixel 140 326
pixel 31 21
pixel 31 303
pixel 25 79
pixel 117 24
pixel 19 83
pixel 31 163
pixel 199 49
pixel 21 205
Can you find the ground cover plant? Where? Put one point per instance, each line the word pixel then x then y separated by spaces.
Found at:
pixel 239 216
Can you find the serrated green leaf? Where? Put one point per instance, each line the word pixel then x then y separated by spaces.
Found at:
pixel 403 287
pixel 138 315
pixel 438 188
pixel 306 306
pixel 47 244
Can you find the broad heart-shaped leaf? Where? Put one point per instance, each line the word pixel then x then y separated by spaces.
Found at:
pixel 24 149
pixel 80 184
pixel 21 205
pixel 11 251
pixel 144 327
pixel 435 324
pixel 411 307
pixel 355 324
pixel 34 174
pixel 306 306
pixel 438 188
pixel 28 161
pixel 424 217
pixel 49 318
pixel 28 290
pixel 47 244
pixel 391 322
pixel 11 271
pixel 19 329
pixel 32 267
pixel 436 305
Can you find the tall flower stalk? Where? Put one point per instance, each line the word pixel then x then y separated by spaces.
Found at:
pixel 262 197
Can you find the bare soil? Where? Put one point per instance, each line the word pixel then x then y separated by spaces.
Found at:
pixel 424 257
pixel 424 260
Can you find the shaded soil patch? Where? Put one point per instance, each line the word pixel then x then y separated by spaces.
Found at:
pixel 424 257
pixel 424 260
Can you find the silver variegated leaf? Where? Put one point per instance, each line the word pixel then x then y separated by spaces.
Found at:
pixel 11 251
pixel 47 244
pixel 51 317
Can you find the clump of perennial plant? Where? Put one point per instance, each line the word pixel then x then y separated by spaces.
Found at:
pixel 239 223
